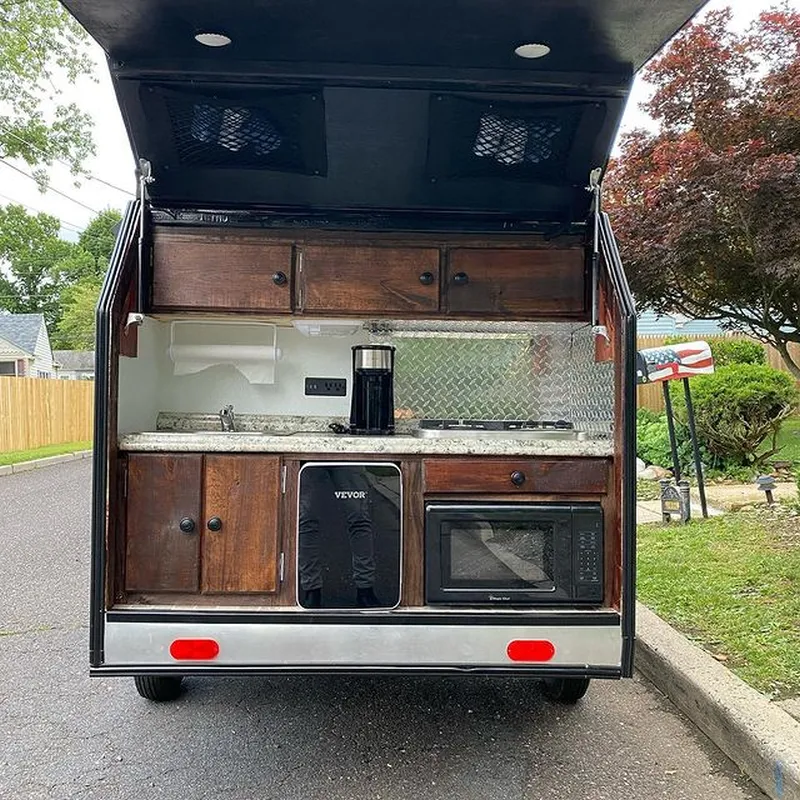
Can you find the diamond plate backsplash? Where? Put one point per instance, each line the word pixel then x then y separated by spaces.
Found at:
pixel 496 370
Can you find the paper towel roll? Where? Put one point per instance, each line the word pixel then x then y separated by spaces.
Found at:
pixel 198 350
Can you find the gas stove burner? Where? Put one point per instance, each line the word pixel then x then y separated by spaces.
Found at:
pixel 496 425
pixel 512 428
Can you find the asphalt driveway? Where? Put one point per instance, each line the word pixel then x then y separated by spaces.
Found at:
pixel 63 735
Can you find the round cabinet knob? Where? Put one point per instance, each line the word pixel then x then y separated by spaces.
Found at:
pixel 461 279
pixel 279 278
pixel 517 477
pixel 186 525
pixel 426 279
pixel 214 524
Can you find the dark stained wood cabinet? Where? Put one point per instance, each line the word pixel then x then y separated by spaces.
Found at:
pixel 367 280
pixel 198 523
pixel 516 475
pixel 243 493
pixel 162 490
pixel 491 282
pixel 225 271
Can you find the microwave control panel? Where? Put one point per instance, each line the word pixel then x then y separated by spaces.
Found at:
pixel 588 553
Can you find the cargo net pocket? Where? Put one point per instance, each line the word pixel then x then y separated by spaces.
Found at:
pixel 210 135
pixel 515 141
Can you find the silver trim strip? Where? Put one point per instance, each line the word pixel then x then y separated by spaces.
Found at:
pixel 313 645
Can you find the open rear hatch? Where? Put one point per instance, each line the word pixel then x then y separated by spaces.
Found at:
pixel 377 105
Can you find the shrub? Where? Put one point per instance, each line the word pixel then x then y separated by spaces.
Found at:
pixel 728 351
pixel 652 438
pixel 652 441
pixel 740 406
pixel 737 351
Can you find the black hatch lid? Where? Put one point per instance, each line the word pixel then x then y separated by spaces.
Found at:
pixel 419 106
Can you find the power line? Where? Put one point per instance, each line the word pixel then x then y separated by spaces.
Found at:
pixel 50 188
pixel 77 228
pixel 88 175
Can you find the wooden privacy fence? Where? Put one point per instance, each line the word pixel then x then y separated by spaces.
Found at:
pixel 651 395
pixel 36 412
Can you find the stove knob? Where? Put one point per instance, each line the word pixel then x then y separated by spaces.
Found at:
pixel 517 477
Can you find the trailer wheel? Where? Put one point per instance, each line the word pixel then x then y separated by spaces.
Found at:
pixel 565 690
pixel 159 688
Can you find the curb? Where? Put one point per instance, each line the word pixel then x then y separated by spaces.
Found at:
pixel 761 738
pixel 39 463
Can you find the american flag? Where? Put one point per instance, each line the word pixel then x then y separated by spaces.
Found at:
pixel 674 361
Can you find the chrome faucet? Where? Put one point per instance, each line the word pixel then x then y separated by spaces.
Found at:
pixel 227 419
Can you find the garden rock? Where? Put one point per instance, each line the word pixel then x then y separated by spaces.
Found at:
pixel 655 473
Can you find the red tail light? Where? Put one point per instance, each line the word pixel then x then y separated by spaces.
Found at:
pixel 194 649
pixel 530 650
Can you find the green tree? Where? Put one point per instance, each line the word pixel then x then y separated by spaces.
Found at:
pixel 31 249
pixel 99 237
pixel 45 274
pixel 82 274
pixel 707 208
pixel 40 46
pixel 75 329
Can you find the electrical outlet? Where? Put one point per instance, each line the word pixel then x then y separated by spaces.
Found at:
pixel 326 387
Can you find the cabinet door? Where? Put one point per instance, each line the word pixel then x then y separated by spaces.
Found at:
pixel 517 283
pixel 163 491
pixel 227 271
pixel 241 499
pixel 368 280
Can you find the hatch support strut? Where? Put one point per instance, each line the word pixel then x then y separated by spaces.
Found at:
pixel 145 178
pixel 595 178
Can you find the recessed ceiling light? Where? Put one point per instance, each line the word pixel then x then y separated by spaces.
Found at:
pixel 213 39
pixel 532 50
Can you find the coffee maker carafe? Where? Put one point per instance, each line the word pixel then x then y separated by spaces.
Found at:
pixel 372 404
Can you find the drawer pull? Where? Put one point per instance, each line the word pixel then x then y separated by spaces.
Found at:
pixel 214 524
pixel 461 279
pixel 186 525
pixel 279 278
pixel 517 477
pixel 426 279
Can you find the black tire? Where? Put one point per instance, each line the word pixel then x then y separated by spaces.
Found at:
pixel 565 690
pixel 158 688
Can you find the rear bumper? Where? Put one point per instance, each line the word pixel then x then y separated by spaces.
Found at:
pixel 140 647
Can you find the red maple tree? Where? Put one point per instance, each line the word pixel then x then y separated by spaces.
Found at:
pixel 707 209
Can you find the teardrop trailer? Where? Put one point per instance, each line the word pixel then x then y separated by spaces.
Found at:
pixel 366 355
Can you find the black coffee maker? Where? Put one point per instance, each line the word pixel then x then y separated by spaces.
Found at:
pixel 372 405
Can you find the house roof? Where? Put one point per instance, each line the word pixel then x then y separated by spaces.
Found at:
pixel 8 350
pixel 650 324
pixel 74 360
pixel 21 330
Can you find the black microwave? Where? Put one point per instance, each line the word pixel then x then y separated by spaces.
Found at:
pixel 513 554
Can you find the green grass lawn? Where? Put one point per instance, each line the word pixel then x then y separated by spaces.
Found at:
pixel 18 456
pixel 732 584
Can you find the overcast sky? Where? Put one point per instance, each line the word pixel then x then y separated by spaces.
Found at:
pixel 114 161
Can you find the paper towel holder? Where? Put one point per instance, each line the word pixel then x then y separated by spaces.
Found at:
pixel 250 347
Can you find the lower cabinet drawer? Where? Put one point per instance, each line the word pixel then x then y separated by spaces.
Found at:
pixel 523 475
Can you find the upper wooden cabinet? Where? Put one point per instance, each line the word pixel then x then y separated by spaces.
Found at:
pixel 199 523
pixel 367 280
pixel 490 282
pixel 227 271
pixel 250 271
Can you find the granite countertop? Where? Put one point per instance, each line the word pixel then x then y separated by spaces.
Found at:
pixel 257 434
